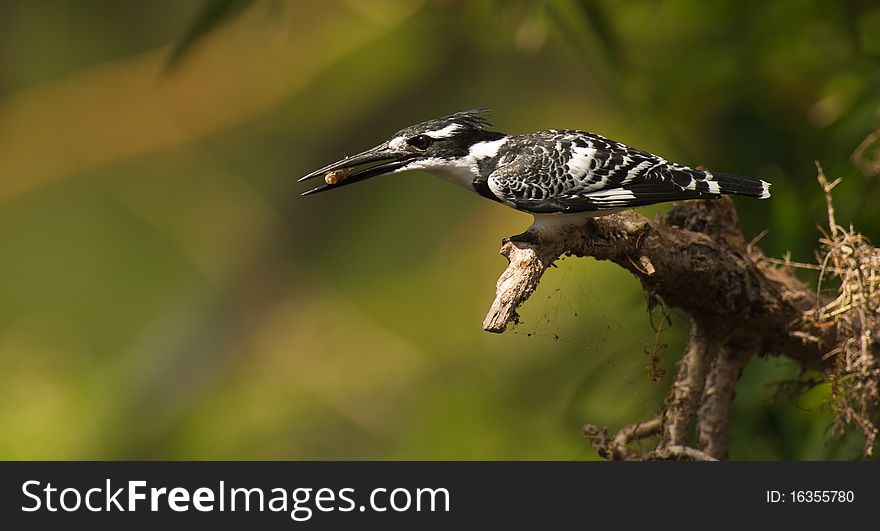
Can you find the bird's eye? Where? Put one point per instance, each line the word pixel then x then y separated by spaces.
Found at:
pixel 420 141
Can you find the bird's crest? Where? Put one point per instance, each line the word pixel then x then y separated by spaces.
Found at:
pixel 473 121
pixel 473 118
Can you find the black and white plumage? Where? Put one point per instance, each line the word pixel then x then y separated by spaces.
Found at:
pixel 560 176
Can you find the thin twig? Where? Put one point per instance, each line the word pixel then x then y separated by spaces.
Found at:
pixel 827 187
pixel 680 452
pixel 798 265
pixel 615 448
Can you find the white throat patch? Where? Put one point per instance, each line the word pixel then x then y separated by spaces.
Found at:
pixel 455 171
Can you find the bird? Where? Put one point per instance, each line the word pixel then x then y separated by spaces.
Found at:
pixel 560 176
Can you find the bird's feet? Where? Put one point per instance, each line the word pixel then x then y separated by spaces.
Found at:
pixel 528 237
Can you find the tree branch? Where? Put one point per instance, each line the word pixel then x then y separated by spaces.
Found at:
pixel 694 259
pixel 680 452
pixel 616 447
pixel 713 415
pixel 684 396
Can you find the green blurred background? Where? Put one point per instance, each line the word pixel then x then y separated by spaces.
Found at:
pixel 166 293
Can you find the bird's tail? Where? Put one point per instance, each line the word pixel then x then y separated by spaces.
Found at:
pixel 739 185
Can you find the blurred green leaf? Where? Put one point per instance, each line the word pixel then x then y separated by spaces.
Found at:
pixel 215 13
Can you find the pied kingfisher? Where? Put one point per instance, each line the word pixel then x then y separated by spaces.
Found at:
pixel 559 176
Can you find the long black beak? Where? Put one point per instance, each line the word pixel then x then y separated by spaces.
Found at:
pixel 358 167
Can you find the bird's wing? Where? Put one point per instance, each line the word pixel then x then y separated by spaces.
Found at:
pixel 574 171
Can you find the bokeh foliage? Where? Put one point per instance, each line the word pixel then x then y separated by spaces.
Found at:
pixel 166 292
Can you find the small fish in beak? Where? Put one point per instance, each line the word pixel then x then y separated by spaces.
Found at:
pixel 335 177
